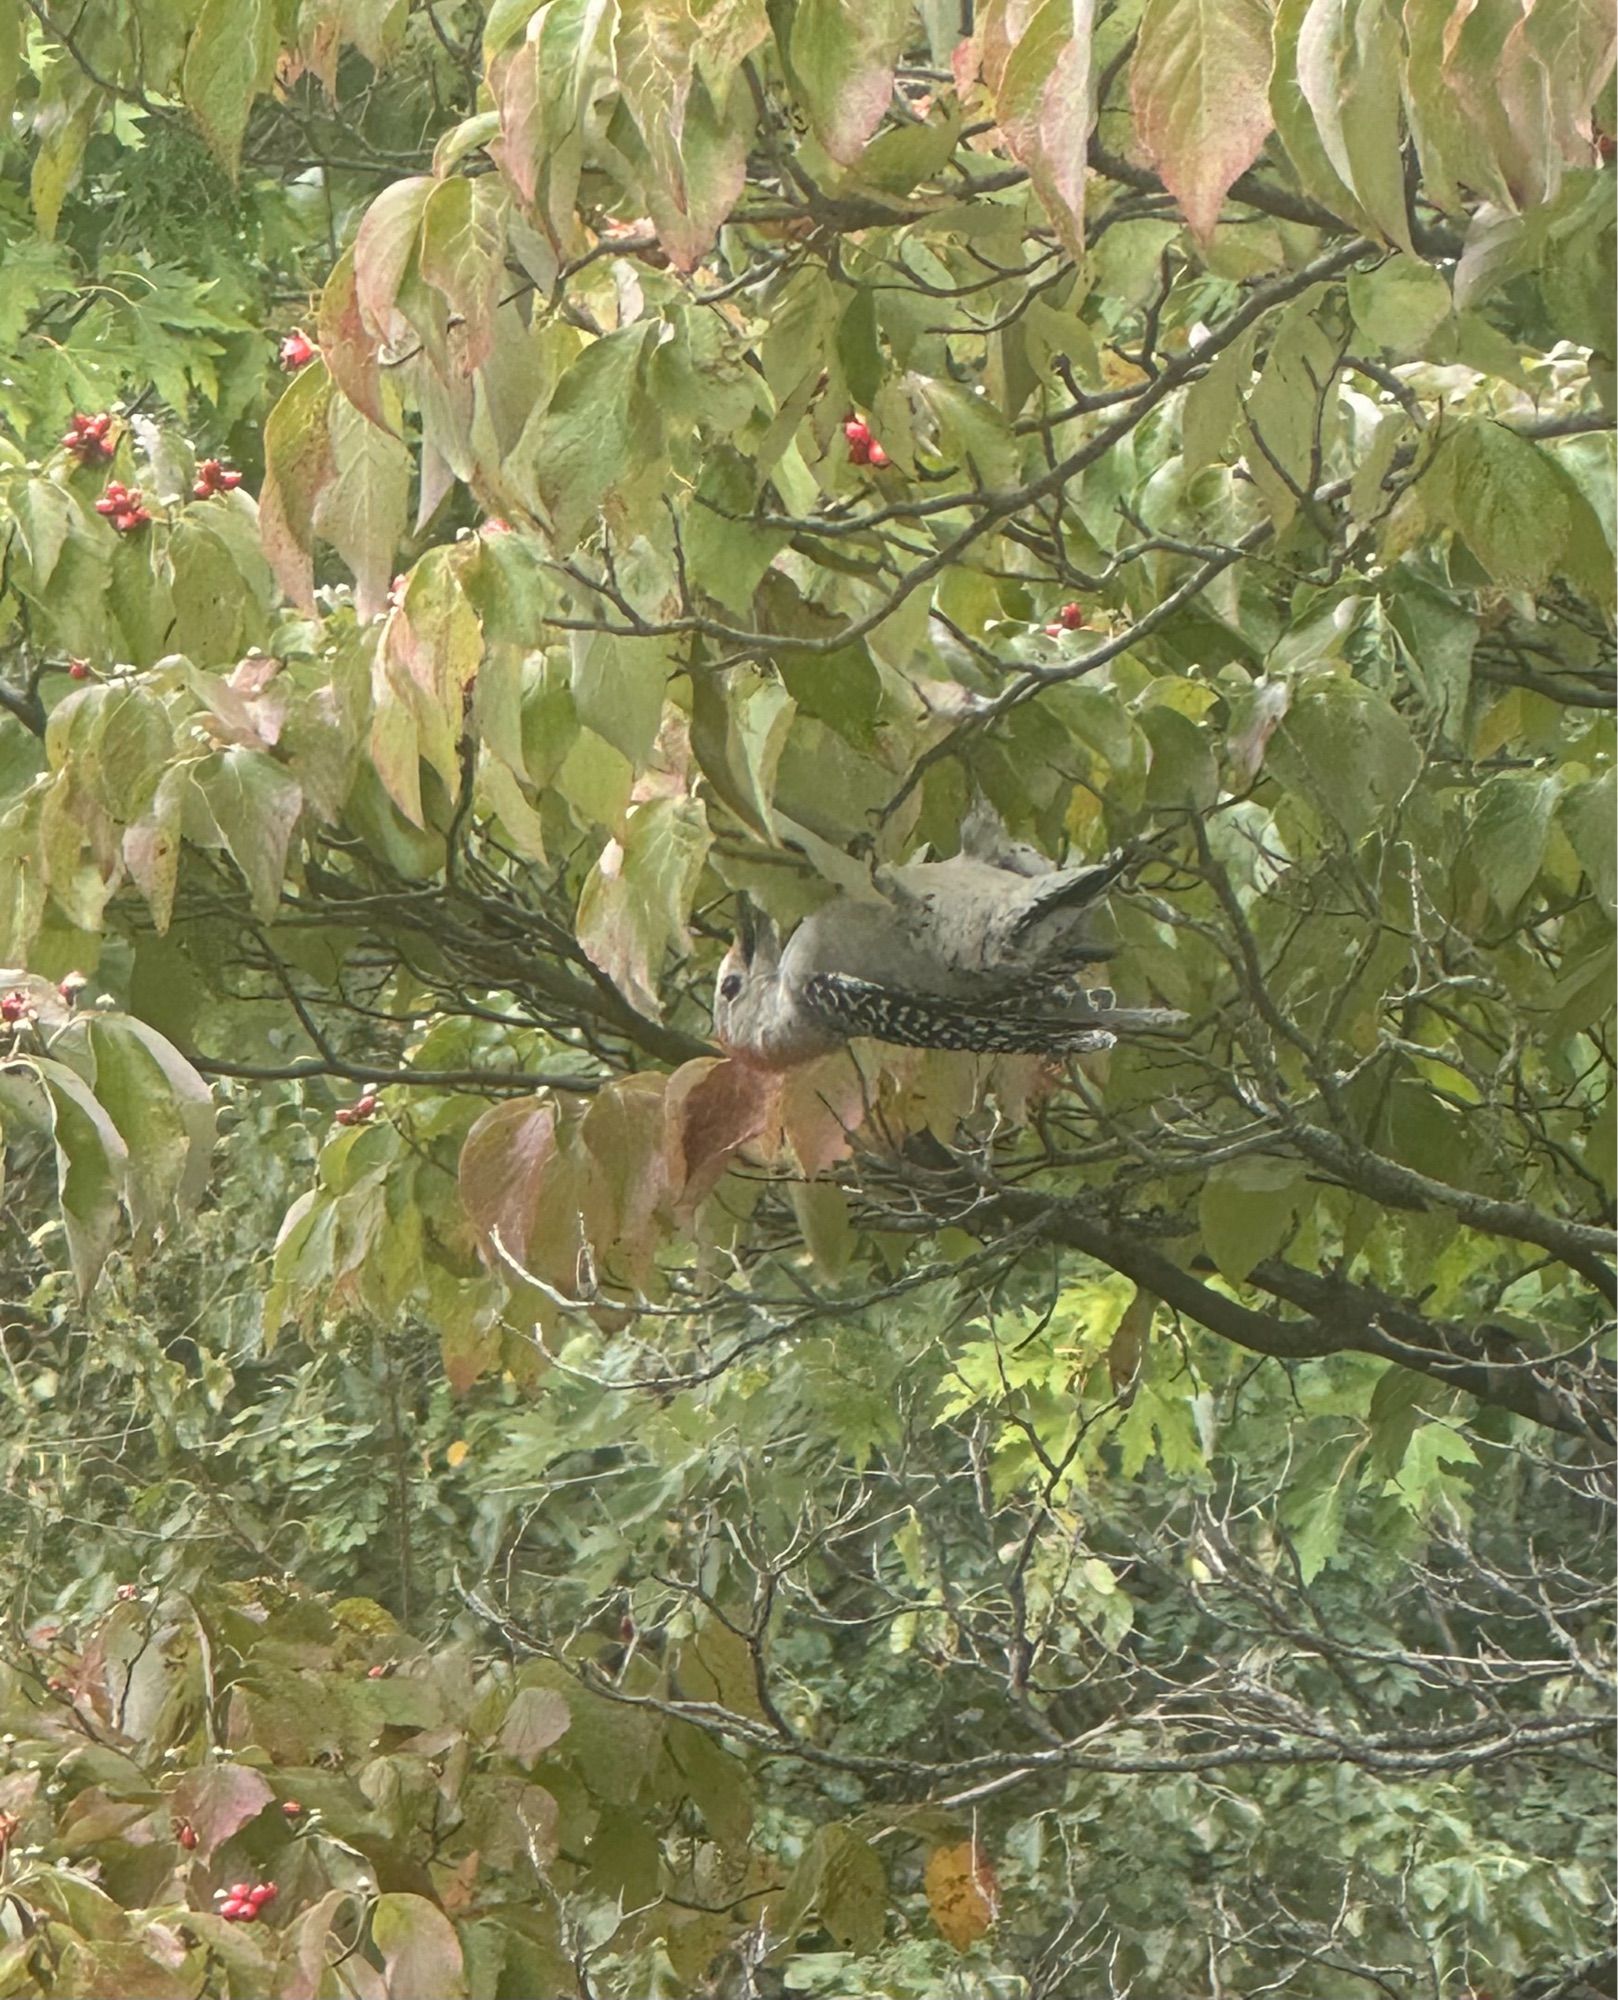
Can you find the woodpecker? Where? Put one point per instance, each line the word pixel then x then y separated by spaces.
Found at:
pixel 961 954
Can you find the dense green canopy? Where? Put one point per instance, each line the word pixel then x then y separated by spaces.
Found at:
pixel 580 1514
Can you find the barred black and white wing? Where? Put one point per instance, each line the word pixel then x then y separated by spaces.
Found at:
pixel 1022 1025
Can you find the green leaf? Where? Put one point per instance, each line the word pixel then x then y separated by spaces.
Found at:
pixel 228 61
pixel 601 429
pixel 1344 748
pixel 637 897
pixel 1399 305
pixel 1511 822
pixel 163 1111
pixel 1348 68
pixel 255 803
pixel 1199 86
pixel 1504 498
pixel 1183 771
pixel 91 1160
pixel 1587 814
pixel 618 689
pixel 362 512
pixel 1247 1210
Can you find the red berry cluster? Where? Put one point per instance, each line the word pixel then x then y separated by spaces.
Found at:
pixel 297 351
pixel 360 1112
pixel 15 1006
pixel 86 438
pixel 863 449
pixel 1069 619
pixel 242 1901
pixel 122 505
pixel 213 478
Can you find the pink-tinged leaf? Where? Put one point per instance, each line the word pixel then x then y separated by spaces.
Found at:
pixel 383 250
pixel 504 1163
pixel 536 1719
pixel 1577 41
pixel 1200 89
pixel 655 48
pixel 298 466
pixel 843 56
pixel 308 1948
pixel 514 85
pixel 430 651
pixel 347 346
pixel 421 1955
pixel 714 1106
pixel 219 1800
pixel 229 59
pixel 715 172
pixel 363 511
pixel 627 1191
pixel 463 254
pixel 823 1104
pixel 1037 64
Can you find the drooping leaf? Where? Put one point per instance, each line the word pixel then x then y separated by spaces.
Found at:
pixel 1199 84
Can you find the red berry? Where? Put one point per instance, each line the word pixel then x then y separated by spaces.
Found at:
pixel 237 1912
pixel 857 433
pixel 859 454
pixel 78 670
pixel 344 1114
pixel 878 455
pixel 291 1808
pixel 13 1006
pixel 126 1591
pixel 375 1673
pixel 365 1107
pixel 186 1834
pixel 240 1891
pixel 1053 631
pixel 229 481
pixel 297 350
pixel 201 490
pixel 1072 617
pixel 263 1892
pixel 495 526
pixel 99 425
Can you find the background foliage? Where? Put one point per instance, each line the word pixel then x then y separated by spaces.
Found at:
pixel 579 1516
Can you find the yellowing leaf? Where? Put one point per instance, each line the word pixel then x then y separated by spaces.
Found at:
pixel 962 1893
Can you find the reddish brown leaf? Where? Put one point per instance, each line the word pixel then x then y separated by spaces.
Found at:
pixel 504 1161
pixel 715 1106
pixel 219 1800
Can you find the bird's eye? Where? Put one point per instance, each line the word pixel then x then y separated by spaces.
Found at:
pixel 730 986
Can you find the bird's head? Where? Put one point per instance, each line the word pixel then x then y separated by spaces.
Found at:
pixel 746 976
